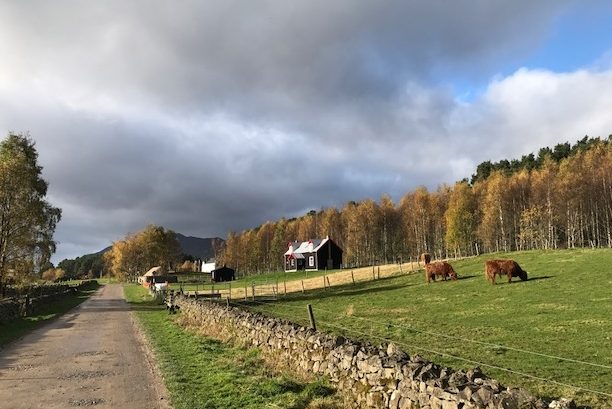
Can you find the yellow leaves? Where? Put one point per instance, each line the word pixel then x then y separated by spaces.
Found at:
pixel 53 274
pixel 153 246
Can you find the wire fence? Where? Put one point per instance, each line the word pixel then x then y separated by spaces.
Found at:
pixel 262 306
pixel 284 285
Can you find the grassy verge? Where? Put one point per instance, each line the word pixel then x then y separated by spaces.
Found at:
pixel 18 328
pixel 564 310
pixel 205 373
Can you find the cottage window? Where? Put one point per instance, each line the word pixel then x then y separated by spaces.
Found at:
pixel 311 261
pixel 292 262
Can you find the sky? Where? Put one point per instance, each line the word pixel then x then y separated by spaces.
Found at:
pixel 207 116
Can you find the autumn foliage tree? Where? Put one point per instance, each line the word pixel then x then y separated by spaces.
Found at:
pixel 137 253
pixel 53 274
pixel 27 220
pixel 561 197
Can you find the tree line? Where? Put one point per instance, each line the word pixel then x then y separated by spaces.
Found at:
pixel 561 199
pixel 86 266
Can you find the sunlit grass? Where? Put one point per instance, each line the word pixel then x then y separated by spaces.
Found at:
pixel 204 373
pixel 564 310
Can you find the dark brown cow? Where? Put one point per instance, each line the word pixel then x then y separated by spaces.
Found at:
pixel 425 258
pixel 509 268
pixel 439 268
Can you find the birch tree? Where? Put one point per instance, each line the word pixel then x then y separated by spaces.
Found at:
pixel 27 220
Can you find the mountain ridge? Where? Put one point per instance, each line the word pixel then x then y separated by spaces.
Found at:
pixel 191 246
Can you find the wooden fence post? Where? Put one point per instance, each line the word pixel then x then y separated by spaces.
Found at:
pixel 353 277
pixel 285 285
pixel 378 272
pixel 373 274
pixel 324 286
pixel 302 286
pixel 328 284
pixel 313 325
pixel 253 291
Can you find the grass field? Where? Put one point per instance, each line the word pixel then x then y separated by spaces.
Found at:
pixel 564 311
pixel 204 373
pixel 18 328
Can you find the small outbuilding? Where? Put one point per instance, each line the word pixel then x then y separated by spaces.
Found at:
pixel 146 278
pixel 313 255
pixel 223 274
pixel 208 266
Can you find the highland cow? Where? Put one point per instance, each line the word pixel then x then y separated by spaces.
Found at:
pixel 439 268
pixel 425 258
pixel 509 268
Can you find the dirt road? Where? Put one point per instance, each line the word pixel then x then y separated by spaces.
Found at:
pixel 94 356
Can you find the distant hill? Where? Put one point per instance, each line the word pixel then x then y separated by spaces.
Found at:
pixel 195 247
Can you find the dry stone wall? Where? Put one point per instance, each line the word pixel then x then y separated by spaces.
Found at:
pixel 368 376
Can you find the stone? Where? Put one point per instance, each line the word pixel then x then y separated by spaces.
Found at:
pixel 562 404
pixel 458 379
pixel 394 400
pixel 373 378
pixel 435 403
pixel 475 373
pixel 394 351
pixel 466 394
pixel 449 404
pixel 508 401
pixel 406 403
pixel 371 365
pixel 485 394
pixel 374 399
pixel 524 398
pixel 493 385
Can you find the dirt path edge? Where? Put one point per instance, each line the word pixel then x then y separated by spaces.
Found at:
pixel 162 394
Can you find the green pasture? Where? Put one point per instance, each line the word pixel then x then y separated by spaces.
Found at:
pixel 563 311
pixel 203 373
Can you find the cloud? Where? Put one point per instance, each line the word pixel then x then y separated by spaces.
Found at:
pixel 531 109
pixel 207 117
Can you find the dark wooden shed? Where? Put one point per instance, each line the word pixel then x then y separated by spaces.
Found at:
pixel 223 274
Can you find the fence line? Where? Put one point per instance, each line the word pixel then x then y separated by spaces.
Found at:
pixel 490 344
pixel 447 355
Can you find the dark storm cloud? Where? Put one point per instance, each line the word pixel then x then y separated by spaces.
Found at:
pixel 210 116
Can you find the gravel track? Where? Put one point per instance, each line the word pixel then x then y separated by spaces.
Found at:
pixel 93 356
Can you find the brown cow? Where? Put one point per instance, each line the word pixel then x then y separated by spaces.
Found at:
pixel 509 268
pixel 439 268
pixel 425 258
